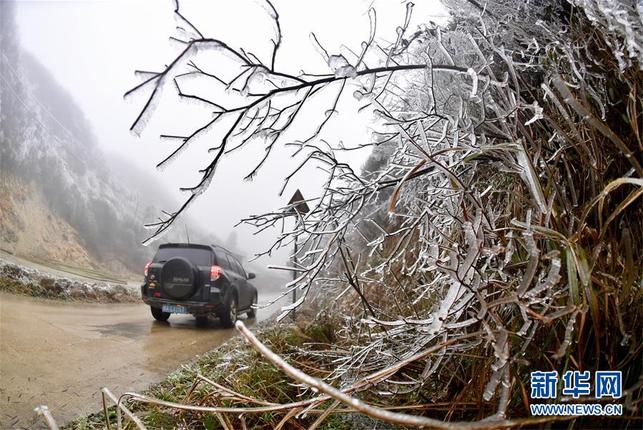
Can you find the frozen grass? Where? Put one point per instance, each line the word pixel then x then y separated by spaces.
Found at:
pixel 502 227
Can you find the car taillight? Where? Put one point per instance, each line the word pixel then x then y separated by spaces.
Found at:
pixel 147 268
pixel 215 273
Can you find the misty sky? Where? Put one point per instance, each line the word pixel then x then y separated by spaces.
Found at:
pixel 93 47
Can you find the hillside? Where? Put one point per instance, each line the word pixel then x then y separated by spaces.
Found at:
pixel 60 197
pixel 28 227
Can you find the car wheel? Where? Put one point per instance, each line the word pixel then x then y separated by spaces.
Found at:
pixel 252 312
pixel 159 315
pixel 229 314
pixel 202 320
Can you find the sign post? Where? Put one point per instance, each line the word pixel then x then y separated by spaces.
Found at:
pixel 299 207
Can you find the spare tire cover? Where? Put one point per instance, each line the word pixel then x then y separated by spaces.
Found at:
pixel 178 278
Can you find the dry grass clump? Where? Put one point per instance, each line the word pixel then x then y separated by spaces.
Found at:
pixel 531 234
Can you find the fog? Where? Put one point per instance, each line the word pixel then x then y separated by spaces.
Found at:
pixel 92 48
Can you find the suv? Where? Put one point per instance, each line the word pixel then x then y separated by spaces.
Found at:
pixel 201 280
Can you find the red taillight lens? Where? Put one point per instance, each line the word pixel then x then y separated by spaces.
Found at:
pixel 215 273
pixel 147 268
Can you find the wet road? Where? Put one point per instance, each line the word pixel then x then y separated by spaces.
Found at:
pixel 60 354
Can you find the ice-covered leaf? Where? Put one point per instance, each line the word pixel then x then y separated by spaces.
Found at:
pixel 340 67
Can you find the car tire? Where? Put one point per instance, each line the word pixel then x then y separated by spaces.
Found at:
pixel 159 315
pixel 228 315
pixel 202 320
pixel 252 312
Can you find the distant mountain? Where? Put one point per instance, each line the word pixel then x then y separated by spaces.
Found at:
pixel 60 197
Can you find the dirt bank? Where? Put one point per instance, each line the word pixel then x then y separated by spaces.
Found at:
pixel 21 279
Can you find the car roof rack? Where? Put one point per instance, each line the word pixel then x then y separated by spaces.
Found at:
pixel 183 245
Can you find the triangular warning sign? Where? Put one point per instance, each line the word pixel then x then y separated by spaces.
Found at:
pixel 299 203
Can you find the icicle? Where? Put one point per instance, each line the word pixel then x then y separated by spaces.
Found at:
pixel 553 276
pixel 483 306
pixel 490 388
pixel 503 402
pixel 531 179
pixel 538 113
pixel 474 85
pixel 509 251
pixel 532 264
pixel 462 324
pixel 445 306
pixel 524 328
pixel 429 370
pixel 568 337
pixel 501 349
pixel 472 252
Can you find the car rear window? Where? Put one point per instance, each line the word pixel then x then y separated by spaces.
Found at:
pixel 197 256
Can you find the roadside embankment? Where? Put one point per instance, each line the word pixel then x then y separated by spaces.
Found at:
pixel 18 279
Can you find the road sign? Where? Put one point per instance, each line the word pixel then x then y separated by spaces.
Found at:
pixel 299 203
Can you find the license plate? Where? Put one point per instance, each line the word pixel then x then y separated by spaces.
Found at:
pixel 174 309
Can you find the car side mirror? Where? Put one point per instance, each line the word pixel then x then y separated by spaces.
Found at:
pixel 251 275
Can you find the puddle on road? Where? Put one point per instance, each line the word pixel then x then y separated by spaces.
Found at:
pixel 124 329
pixel 60 354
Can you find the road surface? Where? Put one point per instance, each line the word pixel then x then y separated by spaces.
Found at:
pixel 60 354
